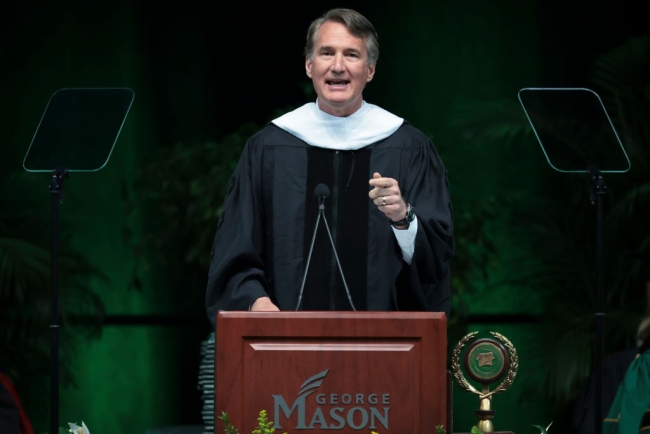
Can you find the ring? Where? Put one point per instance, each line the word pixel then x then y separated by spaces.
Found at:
pixel 383 200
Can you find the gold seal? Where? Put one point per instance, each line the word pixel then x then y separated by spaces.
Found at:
pixel 486 361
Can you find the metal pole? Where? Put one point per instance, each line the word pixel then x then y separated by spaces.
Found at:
pixel 598 194
pixel 57 197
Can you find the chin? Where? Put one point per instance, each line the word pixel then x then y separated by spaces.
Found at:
pixel 339 102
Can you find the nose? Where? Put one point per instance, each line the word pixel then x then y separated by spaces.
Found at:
pixel 337 64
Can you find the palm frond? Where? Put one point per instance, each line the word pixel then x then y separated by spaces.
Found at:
pixel 555 239
pixel 189 199
pixel 25 282
pixel 22 265
pixel 621 77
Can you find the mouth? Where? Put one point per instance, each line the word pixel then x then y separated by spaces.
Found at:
pixel 337 83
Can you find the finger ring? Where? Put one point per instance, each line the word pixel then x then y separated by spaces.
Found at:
pixel 383 200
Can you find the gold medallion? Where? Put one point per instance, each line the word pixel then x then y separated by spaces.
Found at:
pixel 485 361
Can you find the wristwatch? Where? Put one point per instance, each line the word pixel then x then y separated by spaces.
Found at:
pixel 410 216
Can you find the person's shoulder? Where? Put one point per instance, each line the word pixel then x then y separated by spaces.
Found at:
pixel 272 135
pixel 406 136
pixel 268 131
pixel 407 130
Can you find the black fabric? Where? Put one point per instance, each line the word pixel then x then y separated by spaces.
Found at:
pixel 644 426
pixel 614 369
pixel 261 246
pixel 345 174
pixel 9 414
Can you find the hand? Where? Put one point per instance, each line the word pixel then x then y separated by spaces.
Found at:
pixel 264 304
pixel 387 196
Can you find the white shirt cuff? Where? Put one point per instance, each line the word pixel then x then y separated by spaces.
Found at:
pixel 406 240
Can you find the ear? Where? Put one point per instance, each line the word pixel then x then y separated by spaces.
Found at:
pixel 371 72
pixel 308 64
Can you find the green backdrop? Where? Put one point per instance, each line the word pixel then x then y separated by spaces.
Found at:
pixel 202 70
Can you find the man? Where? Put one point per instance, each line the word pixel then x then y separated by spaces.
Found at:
pixel 387 208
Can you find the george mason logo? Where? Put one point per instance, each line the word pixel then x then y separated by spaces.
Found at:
pixel 334 410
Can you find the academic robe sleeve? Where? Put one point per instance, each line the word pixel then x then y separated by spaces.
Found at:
pixel 426 282
pixel 237 274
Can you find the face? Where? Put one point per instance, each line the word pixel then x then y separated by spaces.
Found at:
pixel 339 70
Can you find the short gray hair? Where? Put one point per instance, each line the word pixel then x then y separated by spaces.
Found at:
pixel 357 25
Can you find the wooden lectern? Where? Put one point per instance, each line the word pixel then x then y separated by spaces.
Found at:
pixel 348 372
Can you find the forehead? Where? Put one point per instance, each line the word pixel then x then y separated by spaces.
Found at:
pixel 333 34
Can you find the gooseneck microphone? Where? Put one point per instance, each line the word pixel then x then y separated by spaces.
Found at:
pixel 322 192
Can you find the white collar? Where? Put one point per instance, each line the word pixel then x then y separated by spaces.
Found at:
pixel 367 125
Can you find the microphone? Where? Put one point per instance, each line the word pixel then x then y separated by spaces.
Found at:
pixel 322 192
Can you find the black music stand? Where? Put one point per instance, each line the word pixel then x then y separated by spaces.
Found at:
pixel 577 136
pixel 77 133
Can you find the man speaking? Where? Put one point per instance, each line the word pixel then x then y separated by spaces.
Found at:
pixel 374 184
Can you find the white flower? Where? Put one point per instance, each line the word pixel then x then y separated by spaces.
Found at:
pixel 83 429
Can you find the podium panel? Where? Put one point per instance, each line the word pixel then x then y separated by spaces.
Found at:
pixel 342 371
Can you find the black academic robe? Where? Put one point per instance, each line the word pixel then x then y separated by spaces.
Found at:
pixel 269 216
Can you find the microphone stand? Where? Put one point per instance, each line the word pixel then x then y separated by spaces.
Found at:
pixel 347 290
pixel 321 207
pixel 321 212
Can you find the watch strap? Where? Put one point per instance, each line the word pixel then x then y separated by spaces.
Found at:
pixel 410 216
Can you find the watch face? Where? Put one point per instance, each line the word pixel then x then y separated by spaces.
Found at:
pixel 410 213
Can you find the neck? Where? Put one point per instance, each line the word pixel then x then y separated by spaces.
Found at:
pixel 339 111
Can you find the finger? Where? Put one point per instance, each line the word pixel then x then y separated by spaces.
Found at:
pixel 388 203
pixel 381 201
pixel 383 182
pixel 394 205
pixel 392 191
pixel 375 176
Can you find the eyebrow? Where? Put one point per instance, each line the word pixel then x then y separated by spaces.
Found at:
pixel 330 48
